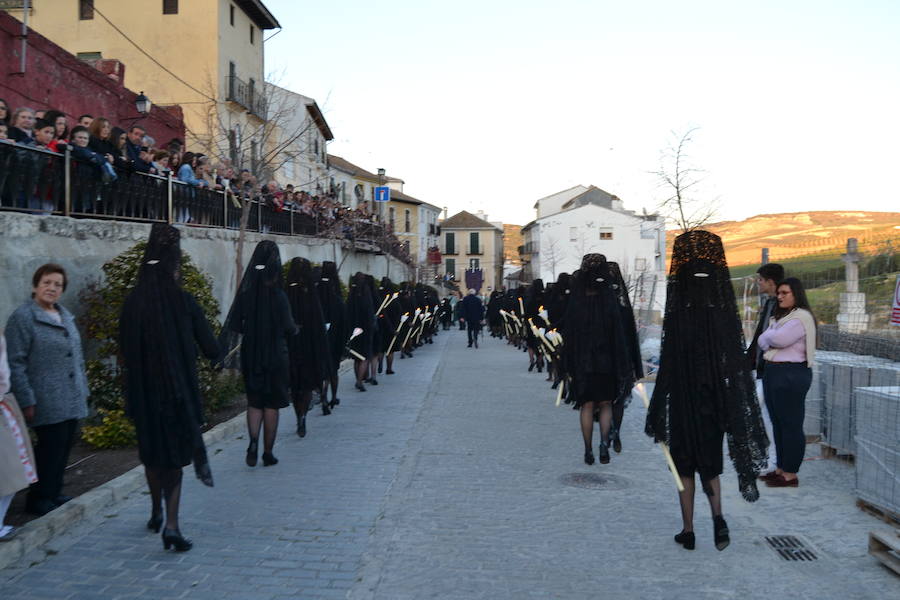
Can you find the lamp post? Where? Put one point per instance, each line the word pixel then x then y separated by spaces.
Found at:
pixel 143 104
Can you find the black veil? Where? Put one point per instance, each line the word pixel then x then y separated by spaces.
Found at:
pixel 628 324
pixel 704 378
pixel 160 328
pixel 334 313
pixel 308 349
pixel 258 319
pixel 594 340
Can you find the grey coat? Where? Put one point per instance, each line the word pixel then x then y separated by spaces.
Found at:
pixel 46 364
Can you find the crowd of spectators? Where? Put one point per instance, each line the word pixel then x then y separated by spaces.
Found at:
pixel 103 153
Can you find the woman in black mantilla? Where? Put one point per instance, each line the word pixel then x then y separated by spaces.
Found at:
pixel 160 329
pixel 634 349
pixel 335 315
pixel 704 389
pixel 361 315
pixel 308 350
pixel 534 302
pixel 260 317
pixel 389 320
pixel 595 352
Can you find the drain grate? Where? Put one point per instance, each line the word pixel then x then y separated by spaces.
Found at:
pixel 791 548
pixel 592 481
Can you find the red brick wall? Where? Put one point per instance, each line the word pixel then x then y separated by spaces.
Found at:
pixel 56 79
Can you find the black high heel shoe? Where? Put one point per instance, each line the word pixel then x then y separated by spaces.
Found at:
pixel 603 454
pixel 251 453
pixel 269 459
pixel 720 529
pixel 588 457
pixel 173 538
pixel 531 367
pixel 360 386
pixel 155 523
pixel 326 410
pixel 616 441
pixel 301 428
pixel 335 402
pixel 686 539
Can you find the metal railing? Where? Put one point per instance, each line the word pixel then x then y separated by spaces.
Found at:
pixel 246 95
pixel 39 181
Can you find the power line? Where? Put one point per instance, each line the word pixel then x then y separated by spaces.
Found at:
pixel 145 53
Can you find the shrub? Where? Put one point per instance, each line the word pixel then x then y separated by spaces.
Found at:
pixel 100 323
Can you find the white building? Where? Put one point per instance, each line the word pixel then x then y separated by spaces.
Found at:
pixel 571 224
pixel 302 136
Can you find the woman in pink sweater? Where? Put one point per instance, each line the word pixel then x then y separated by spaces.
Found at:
pixel 789 347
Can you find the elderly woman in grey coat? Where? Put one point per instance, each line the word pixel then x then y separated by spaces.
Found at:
pixel 48 381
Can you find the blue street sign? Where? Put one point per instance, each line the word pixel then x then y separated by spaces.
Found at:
pixel 382 194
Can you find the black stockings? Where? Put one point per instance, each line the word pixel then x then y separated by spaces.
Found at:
pixel 686 498
pixel 165 483
pixel 301 404
pixel 268 417
pixel 334 384
pixel 362 370
pixel 587 422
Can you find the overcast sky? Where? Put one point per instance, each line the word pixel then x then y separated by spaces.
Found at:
pixel 491 104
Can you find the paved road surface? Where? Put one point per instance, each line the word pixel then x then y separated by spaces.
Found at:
pixel 446 481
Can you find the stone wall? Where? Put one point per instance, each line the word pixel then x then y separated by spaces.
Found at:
pixel 82 246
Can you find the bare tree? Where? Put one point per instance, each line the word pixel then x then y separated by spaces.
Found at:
pixel 680 178
pixel 552 254
pixel 262 142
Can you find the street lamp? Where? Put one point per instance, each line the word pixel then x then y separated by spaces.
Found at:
pixel 142 103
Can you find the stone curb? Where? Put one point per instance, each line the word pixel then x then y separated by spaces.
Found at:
pixel 38 532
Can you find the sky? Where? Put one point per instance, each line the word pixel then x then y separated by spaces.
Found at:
pixel 492 104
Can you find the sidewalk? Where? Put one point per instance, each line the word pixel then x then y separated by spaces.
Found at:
pixel 446 481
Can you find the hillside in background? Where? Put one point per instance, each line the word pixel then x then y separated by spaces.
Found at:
pixel 512 239
pixel 795 234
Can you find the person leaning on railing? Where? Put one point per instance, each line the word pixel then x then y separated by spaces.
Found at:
pixel 21 125
pixel 89 168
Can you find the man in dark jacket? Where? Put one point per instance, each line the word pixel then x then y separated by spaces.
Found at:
pixel 133 149
pixel 767 277
pixel 472 313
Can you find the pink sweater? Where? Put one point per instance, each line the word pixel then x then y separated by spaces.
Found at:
pixel 789 339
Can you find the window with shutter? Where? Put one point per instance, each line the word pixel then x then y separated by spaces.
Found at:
pixel 170 7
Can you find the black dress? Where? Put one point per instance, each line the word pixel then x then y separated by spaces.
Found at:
pixel 704 389
pixel 260 320
pixel 308 350
pixel 595 351
pixel 160 329
pixel 334 313
pixel 361 315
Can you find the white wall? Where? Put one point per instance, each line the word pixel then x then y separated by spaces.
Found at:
pixel 634 241
pixel 82 246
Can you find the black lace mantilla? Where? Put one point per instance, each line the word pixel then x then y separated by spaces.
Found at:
pixel 704 378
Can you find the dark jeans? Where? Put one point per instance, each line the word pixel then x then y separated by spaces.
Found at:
pixel 784 387
pixel 51 453
pixel 473 329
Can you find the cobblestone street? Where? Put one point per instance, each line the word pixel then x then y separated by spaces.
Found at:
pixel 447 481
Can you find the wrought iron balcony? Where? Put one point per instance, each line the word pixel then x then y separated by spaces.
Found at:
pixel 248 96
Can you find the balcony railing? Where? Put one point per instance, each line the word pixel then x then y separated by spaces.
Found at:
pixel 475 250
pixel 47 183
pixel 452 251
pixel 246 95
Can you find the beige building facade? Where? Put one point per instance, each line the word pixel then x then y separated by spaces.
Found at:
pixel 470 242
pixel 205 55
